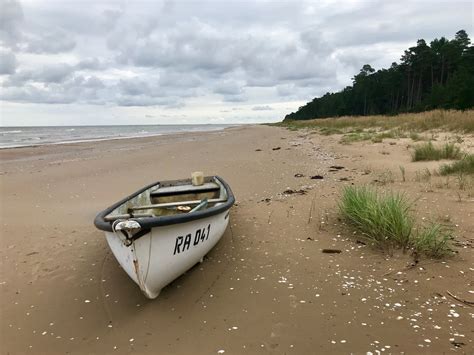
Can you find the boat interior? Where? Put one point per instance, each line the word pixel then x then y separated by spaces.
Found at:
pixel 172 198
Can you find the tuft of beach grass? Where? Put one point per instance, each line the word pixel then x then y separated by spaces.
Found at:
pixel 463 166
pixel 386 220
pixel 433 241
pixel 427 151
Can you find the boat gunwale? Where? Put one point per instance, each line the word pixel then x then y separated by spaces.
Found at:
pixel 147 223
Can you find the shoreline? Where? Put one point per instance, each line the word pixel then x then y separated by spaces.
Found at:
pixel 9 155
pixel 100 139
pixel 267 286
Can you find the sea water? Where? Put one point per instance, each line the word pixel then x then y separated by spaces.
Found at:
pixel 11 137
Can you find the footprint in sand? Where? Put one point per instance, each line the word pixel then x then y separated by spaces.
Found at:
pixel 293 301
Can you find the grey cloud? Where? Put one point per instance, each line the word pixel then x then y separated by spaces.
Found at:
pixel 262 108
pixel 11 17
pixel 76 89
pixel 141 100
pixel 313 39
pixel 136 101
pixel 262 60
pixel 367 23
pixel 22 34
pixel 90 82
pixel 31 94
pixel 16 79
pixel 83 18
pixel 110 18
pixel 93 82
pixel 175 105
pixel 90 64
pixel 53 73
pixel 150 91
pixel 183 80
pixel 228 87
pixel 50 42
pixel 148 86
pixel 8 62
pixel 186 46
pixel 285 90
pixel 134 87
pixel 234 98
pixel 262 81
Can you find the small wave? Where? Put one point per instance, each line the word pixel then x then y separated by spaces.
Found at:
pixel 70 129
pixel 16 131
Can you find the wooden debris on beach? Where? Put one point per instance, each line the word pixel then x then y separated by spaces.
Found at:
pixel 334 168
pixel 295 192
pixel 332 251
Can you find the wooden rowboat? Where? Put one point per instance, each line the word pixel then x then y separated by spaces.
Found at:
pixel 162 230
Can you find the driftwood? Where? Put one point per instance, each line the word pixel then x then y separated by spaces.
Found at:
pixel 332 251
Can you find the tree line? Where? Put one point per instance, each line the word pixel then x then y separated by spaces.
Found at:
pixel 438 75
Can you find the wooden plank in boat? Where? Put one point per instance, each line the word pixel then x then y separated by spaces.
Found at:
pixel 175 204
pixel 184 189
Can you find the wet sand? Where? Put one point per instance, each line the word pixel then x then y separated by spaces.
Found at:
pixel 265 288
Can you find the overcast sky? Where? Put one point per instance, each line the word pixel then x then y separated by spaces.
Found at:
pixel 160 62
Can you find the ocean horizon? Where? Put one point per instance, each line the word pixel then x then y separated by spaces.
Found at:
pixel 28 136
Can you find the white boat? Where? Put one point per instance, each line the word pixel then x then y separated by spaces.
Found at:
pixel 162 230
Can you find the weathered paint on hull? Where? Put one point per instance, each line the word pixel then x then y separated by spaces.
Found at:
pixel 166 252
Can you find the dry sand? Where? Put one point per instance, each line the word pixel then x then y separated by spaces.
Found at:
pixel 265 288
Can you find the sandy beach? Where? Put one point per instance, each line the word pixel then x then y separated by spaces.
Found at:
pixel 267 287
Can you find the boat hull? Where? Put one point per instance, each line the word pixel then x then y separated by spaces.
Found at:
pixel 166 252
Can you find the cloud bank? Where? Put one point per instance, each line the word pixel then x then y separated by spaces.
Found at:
pixel 199 62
